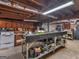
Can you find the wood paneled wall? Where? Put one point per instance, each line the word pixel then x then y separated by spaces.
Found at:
pixel 16 24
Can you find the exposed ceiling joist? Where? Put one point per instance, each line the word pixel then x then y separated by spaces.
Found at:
pixel 29 3
pixel 11 12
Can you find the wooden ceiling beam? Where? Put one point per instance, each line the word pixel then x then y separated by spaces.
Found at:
pixel 76 15
pixel 76 4
pixel 29 3
pixel 11 12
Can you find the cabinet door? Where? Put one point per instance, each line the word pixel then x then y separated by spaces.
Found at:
pixel 8 24
pixel 7 37
pixel 2 24
pixel 6 45
pixel 13 24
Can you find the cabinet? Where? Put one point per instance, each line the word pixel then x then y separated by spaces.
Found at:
pixel 6 40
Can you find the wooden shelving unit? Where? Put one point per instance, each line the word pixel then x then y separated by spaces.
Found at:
pixel 15 25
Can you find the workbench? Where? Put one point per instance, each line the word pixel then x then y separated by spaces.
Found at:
pixel 35 38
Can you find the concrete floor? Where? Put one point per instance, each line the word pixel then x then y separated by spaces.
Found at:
pixel 11 53
pixel 70 52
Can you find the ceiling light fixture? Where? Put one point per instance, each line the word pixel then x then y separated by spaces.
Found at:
pixel 59 7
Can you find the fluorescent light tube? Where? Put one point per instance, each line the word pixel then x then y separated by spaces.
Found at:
pixel 59 7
